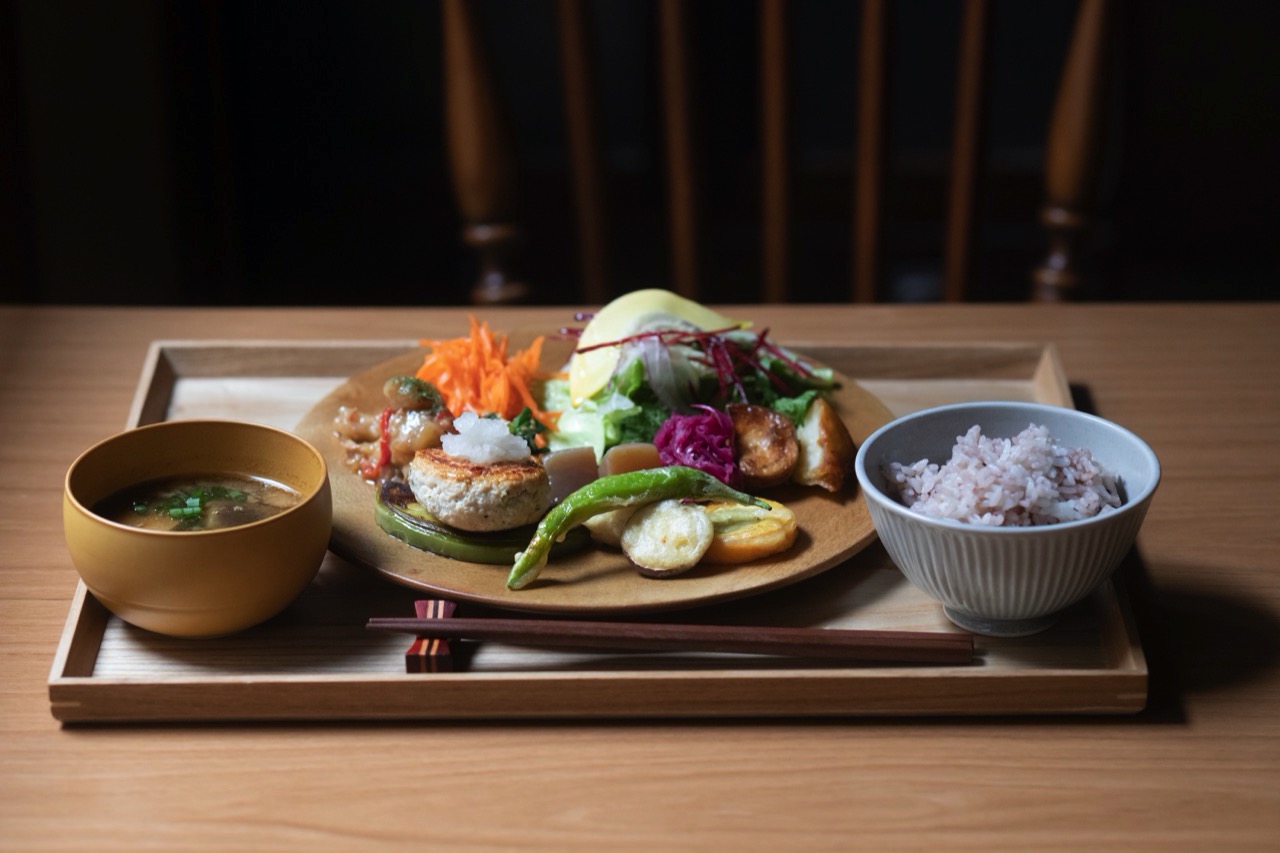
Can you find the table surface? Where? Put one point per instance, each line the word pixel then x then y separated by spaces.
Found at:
pixel 1199 769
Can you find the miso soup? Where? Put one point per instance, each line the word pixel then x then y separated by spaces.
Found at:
pixel 197 502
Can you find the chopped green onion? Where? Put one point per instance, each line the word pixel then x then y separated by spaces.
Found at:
pixel 189 507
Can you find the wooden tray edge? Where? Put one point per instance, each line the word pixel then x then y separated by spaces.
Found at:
pixel 76 697
pixel 808 693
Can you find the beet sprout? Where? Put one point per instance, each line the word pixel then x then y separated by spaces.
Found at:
pixel 677 336
pixel 721 354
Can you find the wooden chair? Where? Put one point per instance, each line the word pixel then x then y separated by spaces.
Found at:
pixel 482 156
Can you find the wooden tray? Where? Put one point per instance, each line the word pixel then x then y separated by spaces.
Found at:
pixel 316 661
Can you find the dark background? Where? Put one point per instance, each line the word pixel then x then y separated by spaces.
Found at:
pixel 196 153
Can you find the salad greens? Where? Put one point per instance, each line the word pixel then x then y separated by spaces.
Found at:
pixel 669 370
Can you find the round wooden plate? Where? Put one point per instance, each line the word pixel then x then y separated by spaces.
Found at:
pixel 599 580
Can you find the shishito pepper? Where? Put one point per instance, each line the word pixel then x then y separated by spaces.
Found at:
pixel 616 491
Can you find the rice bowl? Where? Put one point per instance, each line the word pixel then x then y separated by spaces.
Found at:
pixel 995 579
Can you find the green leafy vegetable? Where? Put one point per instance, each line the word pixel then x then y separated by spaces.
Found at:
pixel 188 506
pixel 795 408
pixel 526 426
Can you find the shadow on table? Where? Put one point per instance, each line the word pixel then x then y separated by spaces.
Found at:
pixel 1207 641
pixel 1195 641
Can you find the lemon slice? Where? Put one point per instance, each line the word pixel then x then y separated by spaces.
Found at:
pixel 637 311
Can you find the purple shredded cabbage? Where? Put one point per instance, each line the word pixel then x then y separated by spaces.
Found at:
pixel 702 441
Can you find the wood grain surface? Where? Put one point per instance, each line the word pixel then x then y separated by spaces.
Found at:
pixel 1200 769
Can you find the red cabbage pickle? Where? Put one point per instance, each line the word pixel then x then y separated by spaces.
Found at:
pixel 702 441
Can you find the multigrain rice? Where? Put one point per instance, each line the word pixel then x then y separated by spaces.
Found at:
pixel 1013 482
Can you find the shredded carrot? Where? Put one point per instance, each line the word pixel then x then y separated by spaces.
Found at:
pixel 475 373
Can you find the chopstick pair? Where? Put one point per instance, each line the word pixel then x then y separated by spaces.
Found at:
pixel 861 645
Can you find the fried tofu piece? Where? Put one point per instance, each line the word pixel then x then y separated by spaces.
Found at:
pixel 827 450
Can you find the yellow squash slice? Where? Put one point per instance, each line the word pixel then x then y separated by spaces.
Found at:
pixel 744 532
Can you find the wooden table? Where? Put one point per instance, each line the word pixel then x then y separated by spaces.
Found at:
pixel 1199 769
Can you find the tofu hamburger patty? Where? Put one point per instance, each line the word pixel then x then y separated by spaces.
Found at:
pixel 479 497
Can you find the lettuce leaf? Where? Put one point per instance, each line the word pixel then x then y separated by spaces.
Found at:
pixel 608 418
pixel 795 408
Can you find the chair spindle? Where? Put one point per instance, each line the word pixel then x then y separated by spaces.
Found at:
pixel 1073 151
pixel 482 156
pixel 869 157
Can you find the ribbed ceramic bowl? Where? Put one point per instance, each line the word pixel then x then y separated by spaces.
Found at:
pixel 197 583
pixel 1005 581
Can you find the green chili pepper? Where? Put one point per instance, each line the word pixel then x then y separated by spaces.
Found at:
pixel 634 488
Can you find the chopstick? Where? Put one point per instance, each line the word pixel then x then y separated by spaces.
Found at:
pixel 874 646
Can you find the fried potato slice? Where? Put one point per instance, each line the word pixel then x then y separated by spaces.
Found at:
pixel 765 444
pixel 744 533
pixel 668 537
pixel 606 527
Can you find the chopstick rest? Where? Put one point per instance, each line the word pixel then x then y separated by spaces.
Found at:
pixel 431 654
pixel 858 645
